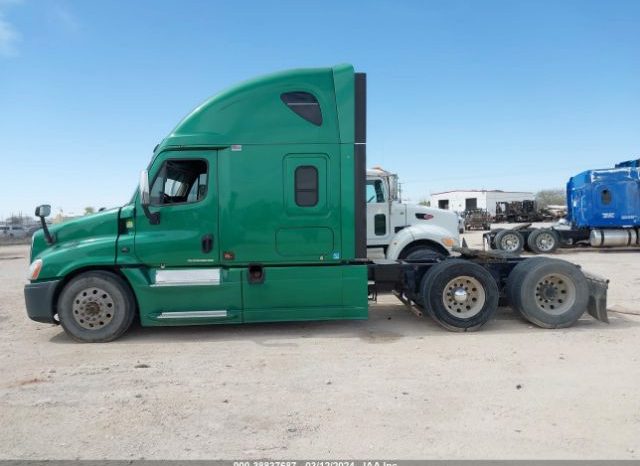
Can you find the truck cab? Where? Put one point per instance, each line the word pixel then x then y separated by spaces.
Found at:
pixel 404 231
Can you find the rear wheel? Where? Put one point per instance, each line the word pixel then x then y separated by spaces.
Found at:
pixel 550 293
pixel 543 241
pixel 510 241
pixel 96 307
pixel 459 295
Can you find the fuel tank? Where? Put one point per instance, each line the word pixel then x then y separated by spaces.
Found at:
pixel 599 238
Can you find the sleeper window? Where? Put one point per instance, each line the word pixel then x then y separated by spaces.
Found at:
pixel 180 181
pixel 306 185
pixel 305 105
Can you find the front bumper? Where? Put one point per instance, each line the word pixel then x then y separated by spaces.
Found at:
pixel 38 298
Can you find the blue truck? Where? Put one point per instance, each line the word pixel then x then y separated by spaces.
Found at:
pixel 603 207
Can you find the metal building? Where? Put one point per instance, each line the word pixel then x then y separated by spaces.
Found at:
pixel 462 200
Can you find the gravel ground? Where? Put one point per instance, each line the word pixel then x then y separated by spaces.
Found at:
pixel 394 386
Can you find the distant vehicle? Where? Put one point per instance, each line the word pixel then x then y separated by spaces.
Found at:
pixel 477 219
pixel 403 230
pixel 12 231
pixel 603 211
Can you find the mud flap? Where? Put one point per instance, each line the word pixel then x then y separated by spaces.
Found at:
pixel 597 306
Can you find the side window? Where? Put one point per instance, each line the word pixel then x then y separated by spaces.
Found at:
pixel 380 224
pixel 306 186
pixel 471 203
pixel 375 192
pixel 303 104
pixel 605 196
pixel 179 182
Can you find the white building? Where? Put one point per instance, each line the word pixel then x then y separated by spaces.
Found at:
pixel 459 201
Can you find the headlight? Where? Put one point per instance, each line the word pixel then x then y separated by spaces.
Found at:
pixel 34 269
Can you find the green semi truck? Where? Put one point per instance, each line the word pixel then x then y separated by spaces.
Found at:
pixel 253 210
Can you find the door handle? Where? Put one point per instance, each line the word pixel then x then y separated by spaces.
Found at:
pixel 207 243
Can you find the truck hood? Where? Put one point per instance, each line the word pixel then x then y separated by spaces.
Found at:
pixel 73 232
pixel 442 218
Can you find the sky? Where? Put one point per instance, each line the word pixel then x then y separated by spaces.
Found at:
pixel 512 95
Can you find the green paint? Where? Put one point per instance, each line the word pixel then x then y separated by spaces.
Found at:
pixel 252 144
pixel 154 300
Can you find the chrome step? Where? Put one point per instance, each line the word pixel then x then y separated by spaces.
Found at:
pixel 191 314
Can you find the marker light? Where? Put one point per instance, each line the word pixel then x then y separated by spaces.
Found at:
pixel 449 242
pixel 34 269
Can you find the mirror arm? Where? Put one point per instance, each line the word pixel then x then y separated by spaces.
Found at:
pixel 47 234
pixel 154 217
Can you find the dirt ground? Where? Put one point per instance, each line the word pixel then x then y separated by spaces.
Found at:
pixel 394 386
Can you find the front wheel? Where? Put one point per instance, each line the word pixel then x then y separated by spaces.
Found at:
pixel 459 295
pixel 96 307
pixel 422 253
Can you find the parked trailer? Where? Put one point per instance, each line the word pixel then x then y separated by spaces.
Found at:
pixel 477 219
pixel 603 211
pixel 253 210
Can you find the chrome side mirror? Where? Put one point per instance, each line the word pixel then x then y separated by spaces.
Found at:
pixel 394 194
pixel 43 210
pixel 145 197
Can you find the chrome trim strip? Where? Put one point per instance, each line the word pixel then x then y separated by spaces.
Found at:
pixel 187 277
pixel 191 314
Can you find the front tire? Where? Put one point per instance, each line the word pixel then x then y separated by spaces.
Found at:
pixel 459 295
pixel 96 307
pixel 422 252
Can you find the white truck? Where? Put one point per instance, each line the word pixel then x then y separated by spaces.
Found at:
pixel 12 231
pixel 405 231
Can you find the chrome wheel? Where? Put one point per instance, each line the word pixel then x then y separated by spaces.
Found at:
pixel 93 308
pixel 555 293
pixel 510 242
pixel 463 297
pixel 545 241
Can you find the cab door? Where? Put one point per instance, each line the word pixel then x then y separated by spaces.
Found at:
pixel 183 193
pixel 377 213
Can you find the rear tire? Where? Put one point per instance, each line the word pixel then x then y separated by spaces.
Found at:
pixel 549 293
pixel 510 241
pixel 96 307
pixel 459 295
pixel 543 241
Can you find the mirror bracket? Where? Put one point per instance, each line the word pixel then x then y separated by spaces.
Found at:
pixel 154 217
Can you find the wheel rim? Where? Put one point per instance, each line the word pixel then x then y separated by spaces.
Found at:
pixel 463 297
pixel 510 242
pixel 93 308
pixel 555 293
pixel 545 241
